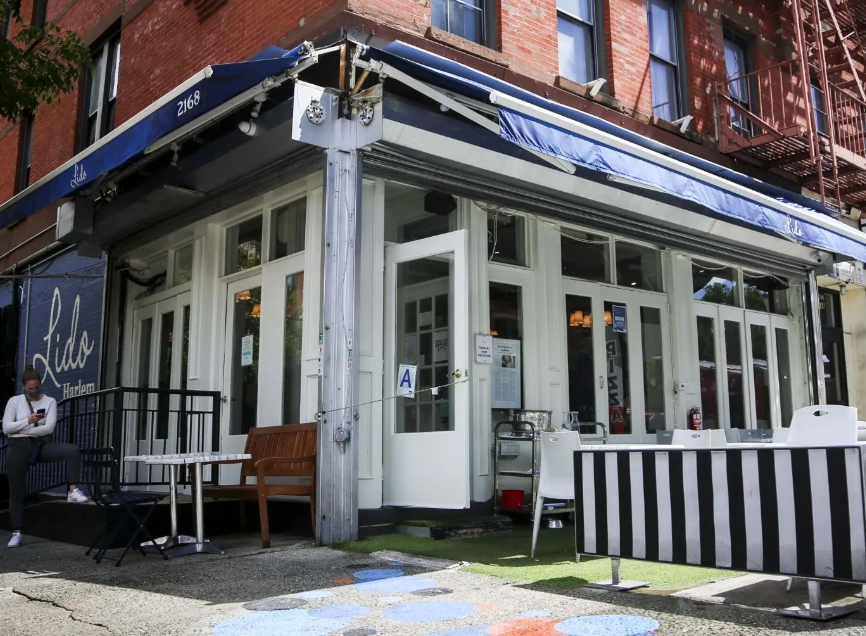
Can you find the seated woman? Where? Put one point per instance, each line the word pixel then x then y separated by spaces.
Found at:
pixel 29 422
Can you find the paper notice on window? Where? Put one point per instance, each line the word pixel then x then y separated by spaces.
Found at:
pixel 440 346
pixel 507 366
pixel 247 350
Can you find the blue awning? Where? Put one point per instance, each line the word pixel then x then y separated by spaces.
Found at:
pixel 570 135
pixel 206 90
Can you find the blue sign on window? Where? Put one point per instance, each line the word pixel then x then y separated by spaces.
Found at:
pixel 620 324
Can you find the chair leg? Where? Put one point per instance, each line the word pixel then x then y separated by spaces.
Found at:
pixel 117 526
pixel 96 540
pixel 536 524
pixel 263 519
pixel 143 528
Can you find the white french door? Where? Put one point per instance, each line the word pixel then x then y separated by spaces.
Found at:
pixel 618 351
pixel 160 352
pixel 426 436
pixel 747 362
pixel 263 369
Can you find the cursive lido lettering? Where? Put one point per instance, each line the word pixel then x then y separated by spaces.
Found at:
pixel 75 351
pixel 78 176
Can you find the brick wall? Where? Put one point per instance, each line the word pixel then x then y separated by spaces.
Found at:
pixel 163 43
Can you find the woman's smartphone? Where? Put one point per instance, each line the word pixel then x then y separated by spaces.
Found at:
pixel 41 412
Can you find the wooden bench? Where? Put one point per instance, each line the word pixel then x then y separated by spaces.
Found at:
pixel 277 451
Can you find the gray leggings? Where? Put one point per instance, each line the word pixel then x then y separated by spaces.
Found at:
pixel 18 462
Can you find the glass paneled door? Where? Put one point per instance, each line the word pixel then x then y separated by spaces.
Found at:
pixel 159 362
pixel 618 358
pixel 747 363
pixel 264 353
pixel 426 435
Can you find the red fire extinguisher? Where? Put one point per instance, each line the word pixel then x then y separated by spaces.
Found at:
pixel 695 423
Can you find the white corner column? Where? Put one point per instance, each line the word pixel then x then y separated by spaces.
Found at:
pixel 684 342
pixel 316 121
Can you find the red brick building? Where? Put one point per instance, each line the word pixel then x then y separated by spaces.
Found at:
pixel 164 41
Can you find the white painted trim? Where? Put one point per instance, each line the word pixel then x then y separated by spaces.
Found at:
pixel 576 127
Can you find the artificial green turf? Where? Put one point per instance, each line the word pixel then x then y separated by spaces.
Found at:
pixel 507 556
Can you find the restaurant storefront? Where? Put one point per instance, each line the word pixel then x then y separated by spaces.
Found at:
pixel 508 274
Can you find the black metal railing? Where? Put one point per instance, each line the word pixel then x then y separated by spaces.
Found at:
pixel 132 421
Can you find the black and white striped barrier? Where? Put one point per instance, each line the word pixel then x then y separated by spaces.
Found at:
pixel 776 510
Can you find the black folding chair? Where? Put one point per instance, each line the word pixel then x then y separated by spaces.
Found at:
pixel 123 508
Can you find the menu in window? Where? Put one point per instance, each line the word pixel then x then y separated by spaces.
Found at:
pixel 506 374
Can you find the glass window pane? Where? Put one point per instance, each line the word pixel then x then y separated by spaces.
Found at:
pixel 439 14
pixel 115 70
pixel 664 90
pixel 581 358
pixel 834 372
pixel 505 311
pixel 764 292
pixel 244 245
pixel 707 368
pixel 618 386
pixel 506 238
pixel 662 33
pixel 97 77
pixel 653 369
pixel 576 51
pixel 412 213
pixel 714 284
pixel 736 388
pixel 245 369
pixel 761 373
pixel 182 266
pixel 820 108
pixel 425 339
pixel 288 224
pixel 783 360
pixel 145 338
pixel 639 267
pixel 585 256
pixel 184 363
pixel 166 342
pixel 292 349
pixel 582 9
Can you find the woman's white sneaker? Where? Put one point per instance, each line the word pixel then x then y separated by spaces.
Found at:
pixel 15 541
pixel 76 496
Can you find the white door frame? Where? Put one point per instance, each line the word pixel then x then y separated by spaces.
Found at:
pixel 437 460
pixel 633 299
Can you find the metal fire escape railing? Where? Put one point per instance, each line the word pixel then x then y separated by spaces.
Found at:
pixel 806 117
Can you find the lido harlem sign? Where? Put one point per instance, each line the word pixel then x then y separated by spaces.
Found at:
pixel 65 349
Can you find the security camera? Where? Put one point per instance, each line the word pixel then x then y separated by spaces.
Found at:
pixel 817 257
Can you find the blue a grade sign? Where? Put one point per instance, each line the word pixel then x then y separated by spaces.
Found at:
pixel 619 319
pixel 61 324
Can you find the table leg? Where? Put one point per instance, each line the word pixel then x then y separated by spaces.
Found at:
pixel 201 545
pixel 173 539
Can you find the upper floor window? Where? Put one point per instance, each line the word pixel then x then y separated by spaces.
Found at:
pixel 819 105
pixel 100 92
pixel 463 18
pixel 738 66
pixel 25 152
pixel 664 59
pixel 578 40
pixel 40 13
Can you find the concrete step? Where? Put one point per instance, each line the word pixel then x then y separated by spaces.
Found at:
pixel 51 517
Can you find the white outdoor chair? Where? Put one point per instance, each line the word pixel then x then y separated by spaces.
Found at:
pixel 556 480
pixel 823 425
pixel 780 435
pixel 699 439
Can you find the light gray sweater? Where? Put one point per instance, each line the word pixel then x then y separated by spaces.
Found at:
pixel 17 412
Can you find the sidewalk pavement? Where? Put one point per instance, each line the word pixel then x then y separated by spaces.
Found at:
pixel 295 589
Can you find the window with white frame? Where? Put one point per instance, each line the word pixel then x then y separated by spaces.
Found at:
pixel 579 36
pixel 245 241
pixel 664 59
pixel 463 18
pixel 603 259
pixel 100 91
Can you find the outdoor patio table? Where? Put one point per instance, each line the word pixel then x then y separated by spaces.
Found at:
pixel 183 545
